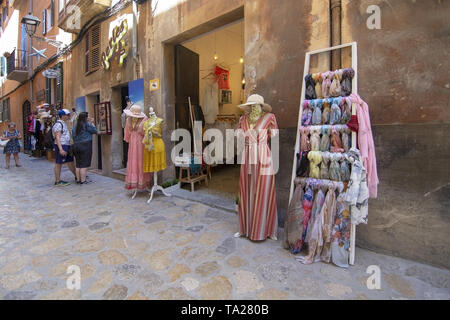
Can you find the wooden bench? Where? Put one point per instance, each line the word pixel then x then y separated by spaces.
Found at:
pixel 192 178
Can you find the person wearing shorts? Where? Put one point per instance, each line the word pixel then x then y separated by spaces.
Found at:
pixel 61 134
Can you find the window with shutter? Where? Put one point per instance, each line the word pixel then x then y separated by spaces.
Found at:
pixel 92 49
pixel 95 48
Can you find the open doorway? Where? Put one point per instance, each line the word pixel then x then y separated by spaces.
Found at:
pixel 210 70
pixel 124 96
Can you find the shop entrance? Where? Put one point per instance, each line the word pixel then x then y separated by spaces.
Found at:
pixel 124 94
pixel 210 70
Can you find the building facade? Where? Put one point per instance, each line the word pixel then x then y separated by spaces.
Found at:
pixel 402 65
pixel 23 84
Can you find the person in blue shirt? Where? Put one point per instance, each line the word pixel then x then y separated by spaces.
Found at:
pixel 82 145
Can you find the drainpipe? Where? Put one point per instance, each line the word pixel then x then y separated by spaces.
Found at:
pixel 335 12
pixel 30 59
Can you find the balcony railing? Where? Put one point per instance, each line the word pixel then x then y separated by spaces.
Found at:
pixel 16 65
pixel 76 13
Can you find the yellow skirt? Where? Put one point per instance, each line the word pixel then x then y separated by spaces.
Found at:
pixel 155 160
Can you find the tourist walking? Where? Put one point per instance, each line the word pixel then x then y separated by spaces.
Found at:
pixel 13 145
pixel 82 148
pixel 62 137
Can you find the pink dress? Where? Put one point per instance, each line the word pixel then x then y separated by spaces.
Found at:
pixel 136 178
pixel 257 199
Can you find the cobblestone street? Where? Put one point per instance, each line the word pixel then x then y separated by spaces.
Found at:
pixel 171 249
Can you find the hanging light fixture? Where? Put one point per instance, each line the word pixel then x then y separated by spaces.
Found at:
pixel 241 60
pixel 31 23
pixel 216 57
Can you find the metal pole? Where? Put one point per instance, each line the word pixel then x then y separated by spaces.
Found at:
pixel 335 12
pixel 30 60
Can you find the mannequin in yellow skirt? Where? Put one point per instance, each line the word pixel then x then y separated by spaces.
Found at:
pixel 154 149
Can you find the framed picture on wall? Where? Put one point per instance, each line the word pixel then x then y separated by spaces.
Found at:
pixel 226 97
pixel 102 117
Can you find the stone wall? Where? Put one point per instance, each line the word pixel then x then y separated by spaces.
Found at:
pixel 403 76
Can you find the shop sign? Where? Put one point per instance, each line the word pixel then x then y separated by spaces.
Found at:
pixel 102 117
pixel 154 84
pixel 116 46
pixel 51 73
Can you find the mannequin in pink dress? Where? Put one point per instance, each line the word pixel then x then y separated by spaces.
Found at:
pixel 135 179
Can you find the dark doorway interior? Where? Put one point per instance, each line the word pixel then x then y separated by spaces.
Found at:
pixel 186 84
pixel 26 111
pixel 124 94
pixel 99 142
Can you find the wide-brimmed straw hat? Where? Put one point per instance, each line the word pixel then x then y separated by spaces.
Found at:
pixel 43 115
pixel 255 99
pixel 135 111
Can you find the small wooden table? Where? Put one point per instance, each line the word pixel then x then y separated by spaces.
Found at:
pixel 192 178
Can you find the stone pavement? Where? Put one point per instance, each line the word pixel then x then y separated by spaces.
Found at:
pixel 171 249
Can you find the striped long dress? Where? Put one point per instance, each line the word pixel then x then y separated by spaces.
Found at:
pixel 257 200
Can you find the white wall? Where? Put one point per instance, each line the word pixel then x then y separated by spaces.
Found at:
pixel 228 43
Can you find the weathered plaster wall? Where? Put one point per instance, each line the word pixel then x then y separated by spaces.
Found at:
pixel 276 39
pixel 105 83
pixel 17 99
pixel 403 76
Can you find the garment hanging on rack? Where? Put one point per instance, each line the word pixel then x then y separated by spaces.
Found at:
pixel 314 233
pixel 223 78
pixel 294 222
pixel 340 244
pixel 211 102
pixel 366 144
pixel 357 195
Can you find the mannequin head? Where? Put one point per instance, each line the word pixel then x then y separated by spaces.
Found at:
pixel 255 112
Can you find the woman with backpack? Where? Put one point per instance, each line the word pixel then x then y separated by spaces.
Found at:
pixel 82 138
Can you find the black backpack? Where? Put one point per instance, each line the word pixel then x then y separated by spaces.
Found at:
pixel 49 139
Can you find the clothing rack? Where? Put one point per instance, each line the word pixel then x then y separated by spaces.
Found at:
pixel 308 55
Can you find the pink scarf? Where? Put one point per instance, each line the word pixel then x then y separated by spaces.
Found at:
pixel 366 144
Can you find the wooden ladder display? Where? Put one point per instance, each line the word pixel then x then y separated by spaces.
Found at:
pixel 308 55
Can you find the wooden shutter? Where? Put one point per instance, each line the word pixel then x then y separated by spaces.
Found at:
pixel 7 112
pixel 48 90
pixel 86 52
pixel 44 21
pixel 2 66
pixel 95 48
pixel 52 13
